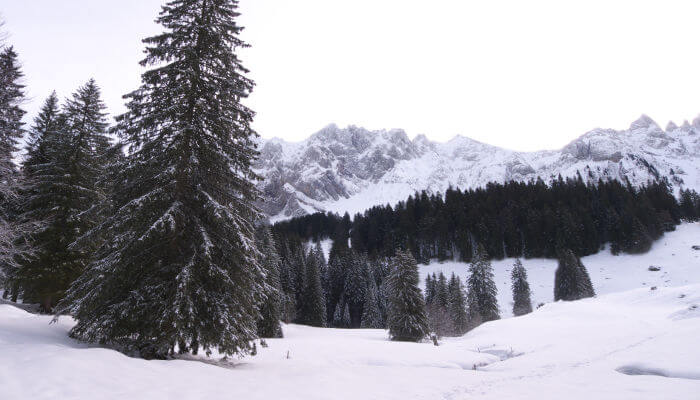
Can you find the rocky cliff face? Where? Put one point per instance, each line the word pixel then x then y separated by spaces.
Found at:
pixel 352 169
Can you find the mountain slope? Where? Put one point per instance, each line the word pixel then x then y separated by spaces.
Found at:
pixel 352 169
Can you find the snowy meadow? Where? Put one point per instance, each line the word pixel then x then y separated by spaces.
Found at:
pixel 630 342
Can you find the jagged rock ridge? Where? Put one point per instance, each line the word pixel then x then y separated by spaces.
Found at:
pixel 352 169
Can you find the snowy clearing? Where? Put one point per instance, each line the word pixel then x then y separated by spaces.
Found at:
pixel 630 342
pixel 679 265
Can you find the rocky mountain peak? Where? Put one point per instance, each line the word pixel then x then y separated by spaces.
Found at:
pixel 351 169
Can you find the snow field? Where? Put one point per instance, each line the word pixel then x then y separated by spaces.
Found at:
pixel 630 342
pixel 679 263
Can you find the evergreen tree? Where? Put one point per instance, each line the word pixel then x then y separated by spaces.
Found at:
pixel 66 160
pixel 439 317
pixel 457 306
pixel 571 279
pixel 481 290
pixel 180 264
pixel 429 288
pixel 356 287
pixel 11 131
pixel 313 306
pixel 271 308
pixel 441 291
pixel 371 315
pixel 406 317
pixel 521 289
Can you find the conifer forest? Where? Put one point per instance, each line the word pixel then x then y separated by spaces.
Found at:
pixel 148 232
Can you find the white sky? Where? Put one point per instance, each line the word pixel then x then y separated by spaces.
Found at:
pixel 525 75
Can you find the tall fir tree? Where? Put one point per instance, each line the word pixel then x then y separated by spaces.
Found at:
pixel 521 289
pixel 313 306
pixel 271 308
pixel 356 281
pixel 371 314
pixel 65 163
pixel 180 265
pixel 457 305
pixel 11 131
pixel 571 279
pixel 406 317
pixel 481 290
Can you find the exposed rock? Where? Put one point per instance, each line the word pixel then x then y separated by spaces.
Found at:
pixel 351 169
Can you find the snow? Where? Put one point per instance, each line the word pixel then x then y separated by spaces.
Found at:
pixel 680 265
pixel 339 170
pixel 630 342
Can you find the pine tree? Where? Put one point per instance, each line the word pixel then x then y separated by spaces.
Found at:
pixel 429 289
pixel 571 279
pixel 406 317
pixel 180 264
pixel 271 308
pixel 439 317
pixel 66 160
pixel 481 290
pixel 313 306
pixel 521 290
pixel 441 291
pixel 457 306
pixel 356 287
pixel 371 315
pixel 11 131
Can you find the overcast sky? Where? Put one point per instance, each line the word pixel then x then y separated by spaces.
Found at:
pixel 525 75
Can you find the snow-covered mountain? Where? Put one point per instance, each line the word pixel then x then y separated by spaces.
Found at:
pixel 352 169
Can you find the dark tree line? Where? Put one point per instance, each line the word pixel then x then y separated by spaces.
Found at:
pixel 515 219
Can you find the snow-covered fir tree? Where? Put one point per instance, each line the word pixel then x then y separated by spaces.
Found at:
pixel 406 317
pixel 356 281
pixel 339 261
pixel 457 305
pixel 482 304
pixel 371 314
pixel 11 131
pixel 429 288
pixel 271 307
pixel 313 305
pixel 521 289
pixel 181 265
pixel 439 318
pixel 571 279
pixel 441 291
pixel 65 163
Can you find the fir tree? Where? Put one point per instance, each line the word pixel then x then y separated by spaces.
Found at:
pixel 441 291
pixel 356 287
pixel 521 290
pixel 371 315
pixel 181 264
pixel 429 289
pixel 406 317
pixel 65 163
pixel 571 279
pixel 313 306
pixel 457 305
pixel 11 131
pixel 481 290
pixel 271 307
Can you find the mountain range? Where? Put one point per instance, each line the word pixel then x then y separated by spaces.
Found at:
pixel 351 169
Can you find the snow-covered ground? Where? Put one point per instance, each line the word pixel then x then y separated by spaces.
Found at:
pixel 630 342
pixel 679 263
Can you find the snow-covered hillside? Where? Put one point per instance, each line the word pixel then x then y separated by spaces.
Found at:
pixel 630 342
pixel 679 265
pixel 353 169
